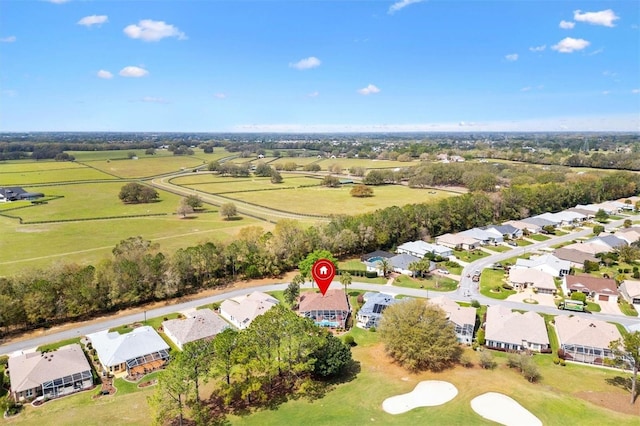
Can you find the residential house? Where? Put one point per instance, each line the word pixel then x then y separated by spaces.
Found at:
pixel 512 331
pixel 49 374
pixel 591 249
pixel 401 263
pixel 421 249
pixel 457 241
pixel 201 324
pixel 585 339
pixel 328 310
pixel 630 235
pixel 370 313
pixel 509 232
pixel 630 290
pixel 135 353
pixel 524 226
pixel 609 242
pixel 483 236
pixel 576 258
pixel 240 311
pixel 600 289
pixel 570 217
pixel 551 217
pixel 541 281
pixel 463 318
pixel 376 255
pixel 540 222
pixel 547 263
pixel 587 213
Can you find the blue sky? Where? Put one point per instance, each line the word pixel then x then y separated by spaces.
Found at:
pixel 319 65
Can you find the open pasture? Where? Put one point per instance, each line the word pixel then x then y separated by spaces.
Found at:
pixel 25 174
pixel 300 161
pixel 123 154
pixel 35 246
pixel 148 166
pixel 89 200
pixel 214 184
pixel 347 163
pixel 325 201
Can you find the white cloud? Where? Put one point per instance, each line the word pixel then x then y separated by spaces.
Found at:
pixel 569 45
pixel 606 92
pixel 635 91
pixel 105 74
pixel 313 94
pixel 88 21
pixel 596 52
pixel 306 63
pixel 401 4
pixel 526 89
pixel 512 57
pixel 538 48
pixel 219 95
pixel 154 100
pixel 149 30
pixel 604 17
pixel 132 71
pixel 10 39
pixel 567 25
pixel 58 1
pixel 369 90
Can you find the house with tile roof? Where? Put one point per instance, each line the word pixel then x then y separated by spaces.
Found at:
pixel 585 339
pixel 576 258
pixel 240 311
pixel 524 226
pixel 600 289
pixel 49 374
pixel 457 241
pixel 331 310
pixel 199 325
pixel 630 290
pixel 370 313
pixel 463 318
pixel 541 281
pixel 512 331
pixel 140 351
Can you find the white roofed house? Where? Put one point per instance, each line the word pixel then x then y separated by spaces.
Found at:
pixel 585 339
pixel 421 249
pixel 458 241
pixel 512 331
pixel 49 374
pixel 202 324
pixel 541 281
pixel 546 263
pixel 630 290
pixel 135 353
pixel 524 226
pixel 240 311
pixel 485 237
pixel 463 318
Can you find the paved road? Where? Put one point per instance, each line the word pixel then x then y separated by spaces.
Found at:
pixel 465 293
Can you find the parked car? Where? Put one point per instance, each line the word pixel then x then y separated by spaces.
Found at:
pixel 443 271
pixel 513 244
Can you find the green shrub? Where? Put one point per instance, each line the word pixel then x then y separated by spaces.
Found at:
pixel 349 340
pixel 475 303
pixel 4 360
pixel 372 329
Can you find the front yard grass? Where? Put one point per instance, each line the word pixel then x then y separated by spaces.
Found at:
pixel 593 307
pixel 491 282
pixel 627 308
pixel 54 346
pixel 499 249
pixel 538 237
pixel 469 256
pixel 435 283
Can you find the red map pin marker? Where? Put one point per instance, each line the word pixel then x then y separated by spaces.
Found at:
pixel 323 271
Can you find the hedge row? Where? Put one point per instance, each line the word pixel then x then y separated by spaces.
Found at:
pixel 358 273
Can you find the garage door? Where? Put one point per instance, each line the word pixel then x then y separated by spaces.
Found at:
pixel 603 298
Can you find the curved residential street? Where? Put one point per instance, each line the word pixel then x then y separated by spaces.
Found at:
pixel 466 292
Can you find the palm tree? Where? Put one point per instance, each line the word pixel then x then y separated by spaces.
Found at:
pixel 345 280
pixel 385 266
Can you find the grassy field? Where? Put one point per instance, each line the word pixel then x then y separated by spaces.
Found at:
pixel 88 242
pixel 147 166
pixel 27 175
pixel 326 201
pixel 435 283
pixel 215 184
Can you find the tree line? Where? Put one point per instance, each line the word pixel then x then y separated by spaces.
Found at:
pixel 138 272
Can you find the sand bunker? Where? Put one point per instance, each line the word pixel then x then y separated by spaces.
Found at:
pixel 428 393
pixel 504 410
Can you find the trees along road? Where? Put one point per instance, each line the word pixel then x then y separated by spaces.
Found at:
pixel 466 292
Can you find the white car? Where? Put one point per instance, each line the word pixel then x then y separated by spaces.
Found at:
pixel 442 271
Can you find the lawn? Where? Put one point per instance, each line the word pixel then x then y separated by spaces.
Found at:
pixel 469 256
pixel 27 175
pixel 435 283
pixel 538 237
pixel 627 308
pixel 215 184
pixel 57 345
pixel 499 249
pixel 492 279
pixel 320 200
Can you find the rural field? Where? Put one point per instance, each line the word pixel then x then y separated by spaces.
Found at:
pixel 563 395
pixel 82 218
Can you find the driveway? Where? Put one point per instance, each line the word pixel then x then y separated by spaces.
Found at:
pixel 610 308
